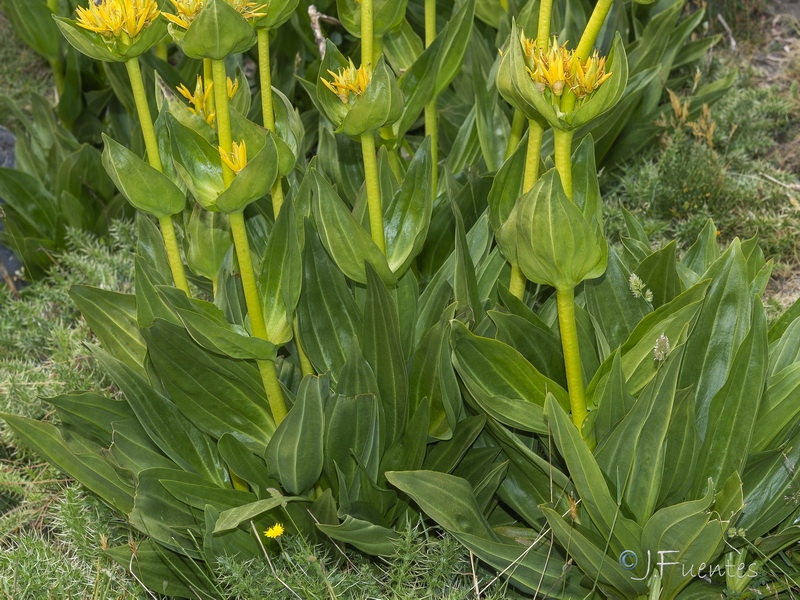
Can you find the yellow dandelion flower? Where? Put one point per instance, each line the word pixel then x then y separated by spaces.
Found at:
pixel 348 82
pixel 113 18
pixel 275 531
pixel 236 160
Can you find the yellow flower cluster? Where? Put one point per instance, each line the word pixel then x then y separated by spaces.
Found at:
pixel 115 17
pixel 349 82
pixel 556 69
pixel 112 18
pixel 199 99
pixel 236 160
pixel 187 10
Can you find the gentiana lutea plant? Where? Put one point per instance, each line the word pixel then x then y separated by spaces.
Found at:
pixel 301 354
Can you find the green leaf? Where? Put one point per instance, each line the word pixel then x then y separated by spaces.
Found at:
pixel 33 22
pixel 779 410
pixel 382 347
pixel 218 31
pixel 659 273
pixel 244 464
pixel 445 456
pixel 222 394
pixel 685 535
pixel 730 414
pixel 327 315
pixel 295 451
pixel 365 536
pixel 112 318
pixel 344 238
pixel 143 186
pixel 622 533
pixel 556 244
pixel 280 280
pixel 352 438
pixel 173 433
pixel 721 325
pixel 448 500
pixel 591 557
pixel 77 457
pixel 633 453
pixel 408 214
pixel 207 326
pixel 683 447
pixel 197 162
pixel 91 415
pixel 501 381
pixel 432 377
pixel 253 181
pixel 207 242
pixel 612 304
pixel 636 354
pixel 704 251
pixel 232 518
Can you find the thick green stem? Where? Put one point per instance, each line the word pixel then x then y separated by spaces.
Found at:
pixel 535 133
pixel 264 71
pixel 208 78
pixel 431 113
pixel 269 374
pixel 563 155
pixel 373 191
pixel 174 254
pixel 151 144
pixel 517 129
pixel 593 27
pixel 143 109
pixel 572 356
pixel 268 114
pixel 367 35
pixel 543 33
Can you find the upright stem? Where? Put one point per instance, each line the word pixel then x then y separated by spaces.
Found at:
pixel 267 108
pixel 543 33
pixel 563 155
pixel 367 35
pixel 373 190
pixel 151 144
pixel 268 113
pixel 593 27
pixel 535 132
pixel 572 356
pixel 269 375
pixel 208 77
pixel 517 129
pixel 265 74
pixel 267 368
pixel 431 113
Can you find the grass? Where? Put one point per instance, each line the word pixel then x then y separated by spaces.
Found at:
pixel 728 165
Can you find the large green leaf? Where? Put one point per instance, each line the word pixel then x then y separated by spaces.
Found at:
pixel 327 315
pixel 112 318
pixel 76 456
pixel 363 535
pixel 779 409
pixel 219 394
pixel 501 381
pixel 172 432
pixel 295 452
pixel 620 532
pixel 380 338
pixel 730 417
pixel 719 330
